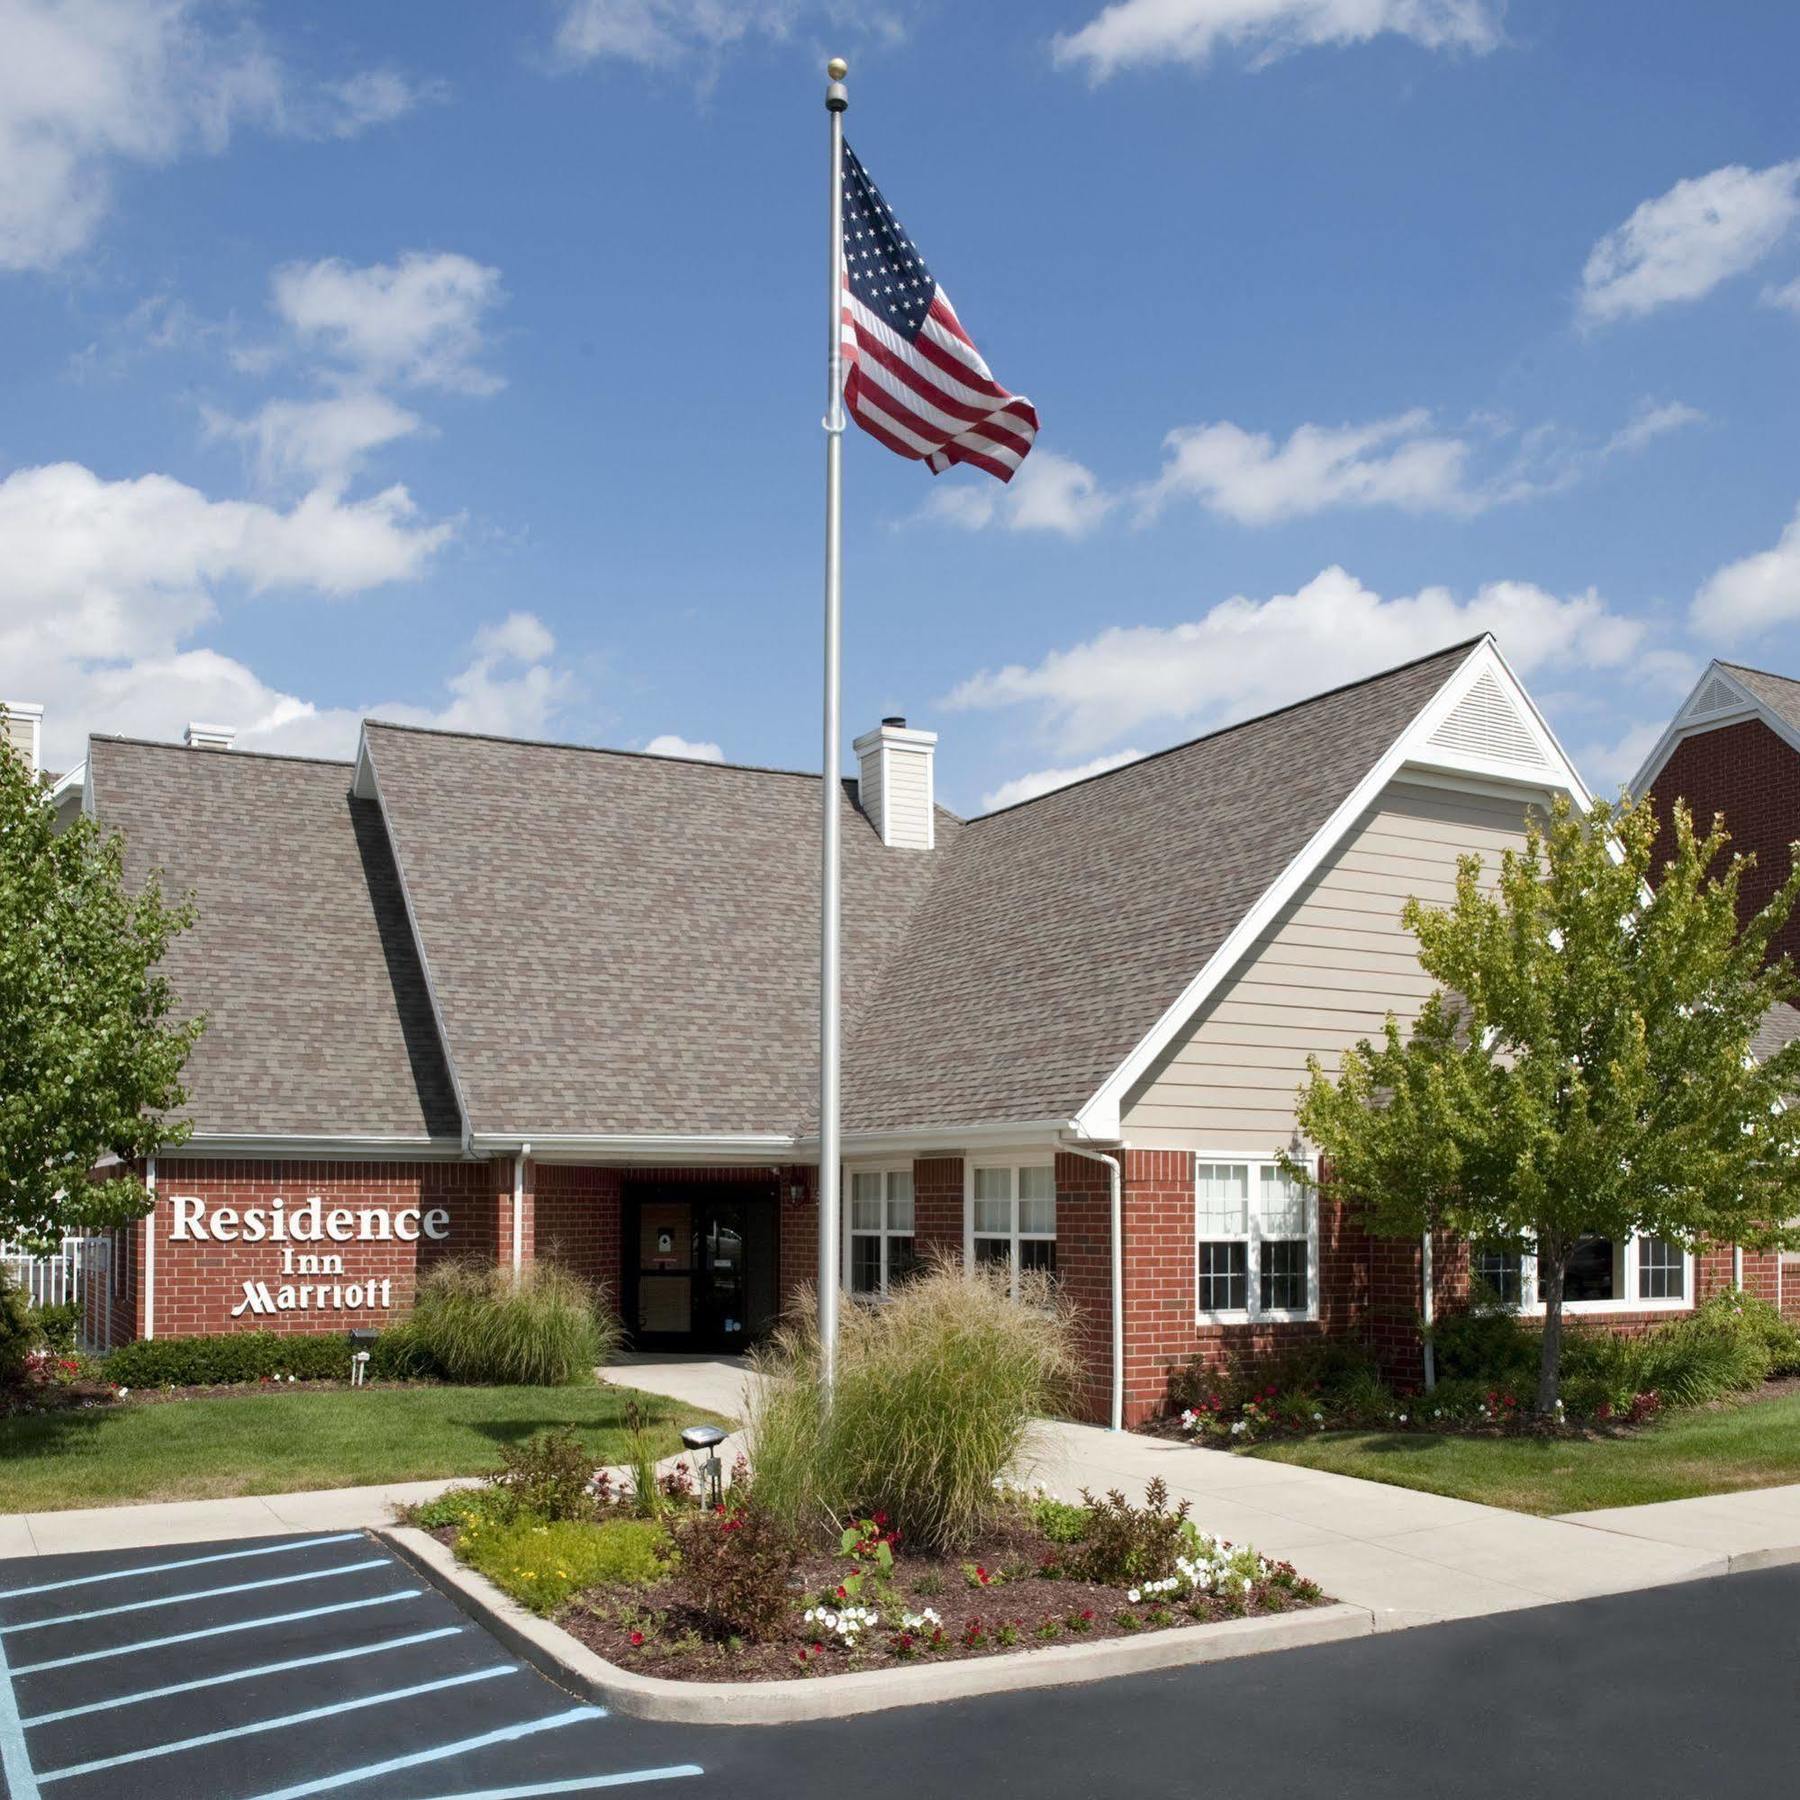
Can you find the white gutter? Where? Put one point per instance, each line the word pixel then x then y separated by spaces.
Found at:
pixel 518 1229
pixel 1737 1267
pixel 1115 1181
pixel 1427 1309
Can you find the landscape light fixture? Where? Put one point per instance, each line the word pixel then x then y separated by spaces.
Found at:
pixel 707 1438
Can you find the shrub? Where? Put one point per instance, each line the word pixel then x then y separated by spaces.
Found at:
pixel 1485 1343
pixel 550 1476
pixel 936 1391
pixel 542 1327
pixel 458 1507
pixel 18 1332
pixel 1125 1543
pixel 736 1570
pixel 1758 1319
pixel 56 1325
pixel 541 1563
pixel 227 1357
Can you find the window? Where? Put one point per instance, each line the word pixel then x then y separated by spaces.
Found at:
pixel 1604 1275
pixel 1012 1218
pixel 1256 1243
pixel 878 1246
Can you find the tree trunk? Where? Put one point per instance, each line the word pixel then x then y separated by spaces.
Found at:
pixel 1551 1271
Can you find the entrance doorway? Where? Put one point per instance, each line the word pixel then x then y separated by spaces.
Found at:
pixel 701 1268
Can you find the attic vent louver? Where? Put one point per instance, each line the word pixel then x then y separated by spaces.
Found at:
pixel 1714 697
pixel 1486 723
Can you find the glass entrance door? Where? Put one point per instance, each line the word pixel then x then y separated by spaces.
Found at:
pixel 705 1275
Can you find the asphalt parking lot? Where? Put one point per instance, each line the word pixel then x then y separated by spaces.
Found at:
pixel 276 1668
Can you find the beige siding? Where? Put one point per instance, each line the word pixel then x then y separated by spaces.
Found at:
pixel 1325 974
pixel 907 798
pixel 21 729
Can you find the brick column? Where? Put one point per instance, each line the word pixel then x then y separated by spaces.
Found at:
pixel 938 1206
pixel 1084 1272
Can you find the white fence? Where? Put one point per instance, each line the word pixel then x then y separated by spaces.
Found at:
pixel 63 1277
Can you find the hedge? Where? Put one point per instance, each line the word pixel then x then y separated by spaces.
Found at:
pixel 249 1356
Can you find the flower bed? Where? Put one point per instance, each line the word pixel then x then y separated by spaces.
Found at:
pixel 670 1587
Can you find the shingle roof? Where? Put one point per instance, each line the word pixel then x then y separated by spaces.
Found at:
pixel 622 943
pixel 1777 692
pixel 1780 1026
pixel 318 1020
pixel 1059 931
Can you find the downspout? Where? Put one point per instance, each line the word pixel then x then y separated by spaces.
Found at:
pixel 1737 1267
pixel 150 1250
pixel 1115 1181
pixel 518 1229
pixel 1427 1308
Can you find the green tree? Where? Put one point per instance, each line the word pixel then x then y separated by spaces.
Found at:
pixel 90 1061
pixel 1584 1066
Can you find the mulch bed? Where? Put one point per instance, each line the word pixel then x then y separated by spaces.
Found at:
pixel 79 1395
pixel 1006 1615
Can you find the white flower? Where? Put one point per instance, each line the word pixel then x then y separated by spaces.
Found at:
pixel 124 1391
pixel 1403 1418
pixel 1318 1418
pixel 1134 1596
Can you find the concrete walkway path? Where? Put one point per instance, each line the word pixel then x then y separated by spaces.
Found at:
pixel 1411 1558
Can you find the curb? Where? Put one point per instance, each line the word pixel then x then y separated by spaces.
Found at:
pixel 575 1668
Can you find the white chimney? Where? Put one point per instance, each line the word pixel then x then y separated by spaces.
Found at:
pixel 22 722
pixel 896 788
pixel 209 737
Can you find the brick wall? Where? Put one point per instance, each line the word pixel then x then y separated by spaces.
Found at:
pixel 197 1283
pixel 1751 776
pixel 576 1221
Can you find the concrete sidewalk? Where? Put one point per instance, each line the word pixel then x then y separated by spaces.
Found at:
pixel 1410 1558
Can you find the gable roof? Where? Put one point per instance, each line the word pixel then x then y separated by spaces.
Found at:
pixel 625 945
pixel 1061 930
pixel 1727 693
pixel 318 1022
pixel 1779 693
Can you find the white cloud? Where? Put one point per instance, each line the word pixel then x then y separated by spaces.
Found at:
pixel 1245 656
pixel 1247 477
pixel 1047 781
pixel 1787 296
pixel 1754 593
pixel 416 321
pixel 323 440
pixel 1049 493
pixel 1651 421
pixel 88 85
pixel 1129 33
pixel 1682 244
pixel 373 97
pixel 1611 762
pixel 660 32
pixel 103 583
pixel 668 744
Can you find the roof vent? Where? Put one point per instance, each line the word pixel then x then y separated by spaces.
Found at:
pixel 1485 723
pixel 22 725
pixel 896 784
pixel 1714 697
pixel 209 737
pixel 896 719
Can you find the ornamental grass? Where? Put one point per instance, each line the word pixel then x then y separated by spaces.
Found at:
pixel 937 1387
pixel 540 1327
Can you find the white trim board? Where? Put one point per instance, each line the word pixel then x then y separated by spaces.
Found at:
pixel 1412 751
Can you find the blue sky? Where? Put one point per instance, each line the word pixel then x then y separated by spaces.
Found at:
pixel 466 364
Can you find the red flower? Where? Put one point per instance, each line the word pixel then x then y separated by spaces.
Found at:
pixel 843 1593
pixel 637 1638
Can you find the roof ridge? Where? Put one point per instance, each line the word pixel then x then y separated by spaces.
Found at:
pixel 293 756
pixel 1752 669
pixel 1274 712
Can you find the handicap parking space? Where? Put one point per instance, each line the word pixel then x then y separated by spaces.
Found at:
pixel 277 1668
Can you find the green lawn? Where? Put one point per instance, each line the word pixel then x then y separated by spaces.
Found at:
pixel 259 1443
pixel 1689 1453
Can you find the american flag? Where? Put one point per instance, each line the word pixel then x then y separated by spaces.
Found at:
pixel 916 382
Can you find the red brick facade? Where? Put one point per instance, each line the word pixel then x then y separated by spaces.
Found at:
pixel 1751 776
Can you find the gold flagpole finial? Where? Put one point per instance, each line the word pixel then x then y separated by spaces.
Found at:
pixel 837 68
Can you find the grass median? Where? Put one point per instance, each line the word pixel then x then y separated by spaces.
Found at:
pixel 1708 1450
pixel 269 1443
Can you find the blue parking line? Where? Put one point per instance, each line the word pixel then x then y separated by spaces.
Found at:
pixel 281 1724
pixel 186 1562
pixel 580 1784
pixel 15 1761
pixel 277 1668
pixel 188 1637
pixel 506 1734
pixel 242 1587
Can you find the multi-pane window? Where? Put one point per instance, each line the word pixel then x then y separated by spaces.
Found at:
pixel 1662 1270
pixel 1609 1274
pixel 1254 1242
pixel 1013 1218
pixel 878 1246
pixel 1498 1274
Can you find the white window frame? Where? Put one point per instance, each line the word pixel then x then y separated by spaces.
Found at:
pixel 887 1233
pixel 1254 1313
pixel 1531 1306
pixel 1014 1236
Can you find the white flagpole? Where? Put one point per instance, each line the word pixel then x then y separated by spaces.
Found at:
pixel 830 1212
